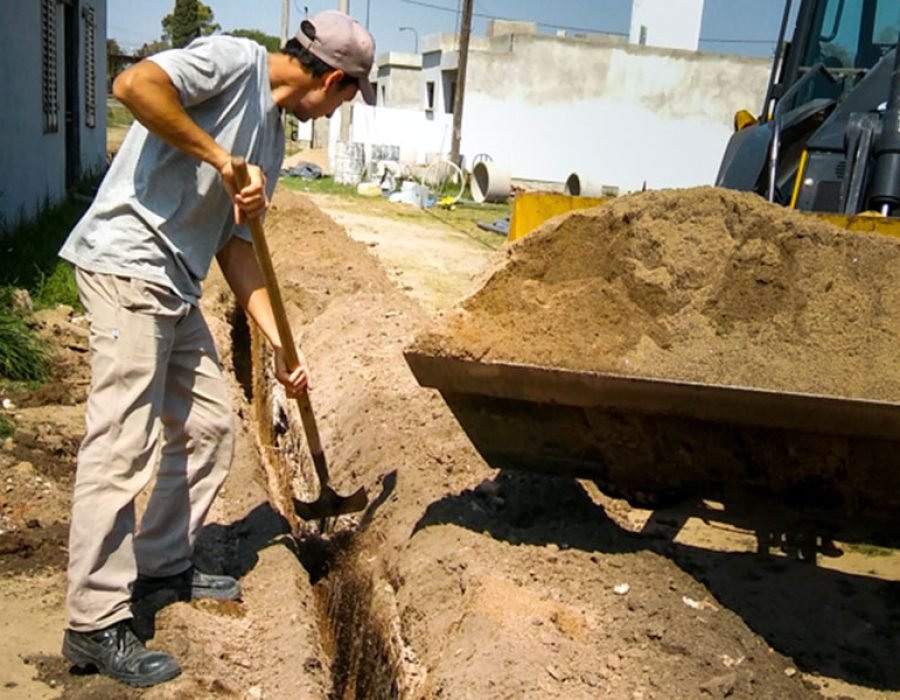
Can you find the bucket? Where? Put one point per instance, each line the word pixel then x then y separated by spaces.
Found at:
pixel 489 183
pixel 576 186
pixel 369 189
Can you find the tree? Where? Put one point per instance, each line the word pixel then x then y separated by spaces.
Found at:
pixel 183 25
pixel 116 60
pixel 151 48
pixel 189 20
pixel 272 43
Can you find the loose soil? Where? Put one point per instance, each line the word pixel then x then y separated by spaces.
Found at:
pixel 704 285
pixel 710 287
pixel 458 581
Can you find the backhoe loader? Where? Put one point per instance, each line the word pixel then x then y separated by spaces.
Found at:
pixel 827 142
pixel 828 138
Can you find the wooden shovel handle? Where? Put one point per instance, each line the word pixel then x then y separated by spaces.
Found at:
pixel 264 260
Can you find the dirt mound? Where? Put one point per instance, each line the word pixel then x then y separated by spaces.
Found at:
pixel 704 285
pixel 482 585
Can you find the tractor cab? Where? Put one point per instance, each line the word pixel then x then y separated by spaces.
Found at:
pixel 820 143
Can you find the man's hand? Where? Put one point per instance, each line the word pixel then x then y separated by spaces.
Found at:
pixel 296 382
pixel 250 202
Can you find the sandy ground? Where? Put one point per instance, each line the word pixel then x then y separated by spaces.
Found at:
pixel 435 264
pixel 458 581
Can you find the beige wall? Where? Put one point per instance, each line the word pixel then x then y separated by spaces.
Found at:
pixel 402 90
pixel 399 80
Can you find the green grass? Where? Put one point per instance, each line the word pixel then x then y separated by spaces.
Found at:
pixel 23 355
pixel 57 288
pixel 6 427
pixel 322 185
pixel 463 217
pixel 29 255
pixel 118 115
pixel 29 260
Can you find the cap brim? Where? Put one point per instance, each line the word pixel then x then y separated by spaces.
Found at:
pixel 305 33
pixel 367 91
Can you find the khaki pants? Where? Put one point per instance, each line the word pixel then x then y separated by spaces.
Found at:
pixel 156 390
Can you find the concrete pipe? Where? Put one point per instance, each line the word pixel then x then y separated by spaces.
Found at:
pixel 576 186
pixel 489 183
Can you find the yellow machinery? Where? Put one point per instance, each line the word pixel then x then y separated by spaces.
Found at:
pixel 531 209
pixel 827 143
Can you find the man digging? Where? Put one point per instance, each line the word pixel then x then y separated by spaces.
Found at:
pixel 168 204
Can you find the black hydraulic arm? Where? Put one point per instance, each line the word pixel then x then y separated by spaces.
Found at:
pixel 884 194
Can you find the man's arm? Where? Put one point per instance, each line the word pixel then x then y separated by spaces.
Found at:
pixel 148 92
pixel 238 263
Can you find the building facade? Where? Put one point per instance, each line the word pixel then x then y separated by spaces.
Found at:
pixel 53 125
pixel 544 106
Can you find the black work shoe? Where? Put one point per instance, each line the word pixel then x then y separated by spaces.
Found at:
pixel 189 585
pixel 116 652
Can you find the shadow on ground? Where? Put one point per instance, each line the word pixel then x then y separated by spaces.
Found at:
pixel 835 624
pixel 231 549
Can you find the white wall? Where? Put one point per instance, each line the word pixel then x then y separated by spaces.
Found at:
pixel 619 115
pixel 672 24
pixel 606 141
pixel 303 131
pixel 398 80
pixel 418 136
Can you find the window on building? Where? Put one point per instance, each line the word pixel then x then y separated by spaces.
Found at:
pixel 383 95
pixel 49 66
pixel 429 96
pixel 449 96
pixel 90 70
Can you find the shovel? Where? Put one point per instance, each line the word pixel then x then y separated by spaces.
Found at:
pixel 329 503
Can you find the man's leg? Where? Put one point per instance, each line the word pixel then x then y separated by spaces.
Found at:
pixel 198 443
pixel 131 338
pixel 130 347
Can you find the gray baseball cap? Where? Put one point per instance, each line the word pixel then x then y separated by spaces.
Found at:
pixel 342 43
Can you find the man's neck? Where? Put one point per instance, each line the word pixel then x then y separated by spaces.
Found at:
pixel 286 76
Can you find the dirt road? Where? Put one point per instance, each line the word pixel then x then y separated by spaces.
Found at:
pixel 458 581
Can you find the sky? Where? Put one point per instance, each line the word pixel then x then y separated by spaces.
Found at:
pixel 729 26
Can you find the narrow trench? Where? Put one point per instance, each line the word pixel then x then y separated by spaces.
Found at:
pixel 357 618
pixel 240 351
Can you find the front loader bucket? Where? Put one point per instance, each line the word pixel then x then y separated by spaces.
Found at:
pixel 644 438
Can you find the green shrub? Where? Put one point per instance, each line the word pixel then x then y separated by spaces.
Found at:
pixel 29 260
pixel 6 427
pixel 59 287
pixel 23 355
pixel 29 251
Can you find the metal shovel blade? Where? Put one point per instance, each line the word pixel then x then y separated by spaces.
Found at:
pixel 330 504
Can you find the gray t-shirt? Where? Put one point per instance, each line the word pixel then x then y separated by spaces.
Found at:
pixel 161 215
